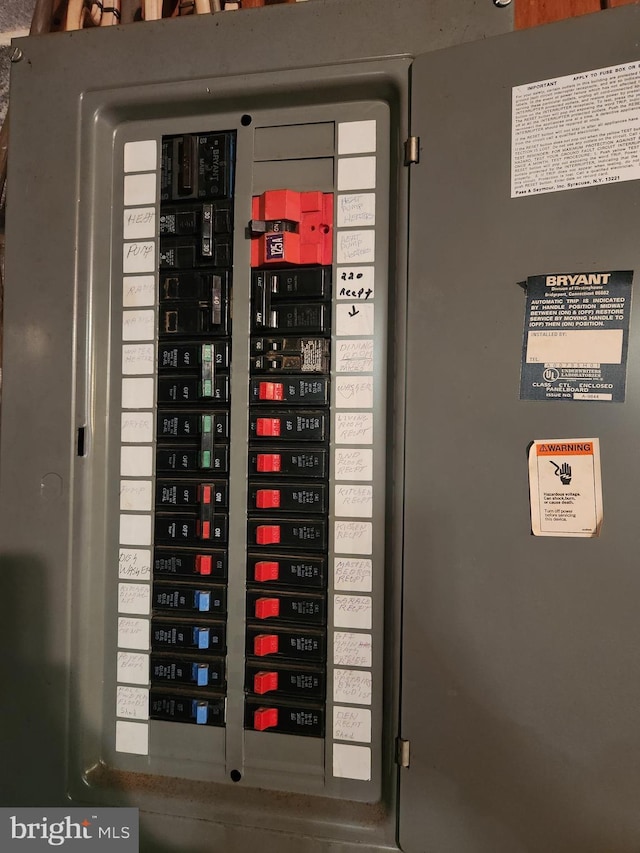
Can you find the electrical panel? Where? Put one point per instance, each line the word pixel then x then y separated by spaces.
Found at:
pixel 265 528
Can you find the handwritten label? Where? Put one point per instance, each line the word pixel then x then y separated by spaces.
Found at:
pixel 354 392
pixel 135 529
pixel 356 283
pixel 352 686
pixel 140 189
pixel 135 495
pixel 139 256
pixel 352 611
pixel 138 291
pixel 353 537
pixel 132 737
pixel 138 325
pixel 133 668
pixel 356 137
pixel 351 649
pixel 137 393
pixel 352 762
pixel 353 724
pixel 138 359
pixel 136 427
pixel 141 155
pixel 355 209
pixel 134 598
pixel 354 427
pixel 134 564
pixel 354 356
pixel 133 633
pixel 354 319
pixel 136 461
pixel 356 464
pixel 356 173
pixel 132 702
pixel 356 246
pixel 353 501
pixel 352 574
pixel 139 222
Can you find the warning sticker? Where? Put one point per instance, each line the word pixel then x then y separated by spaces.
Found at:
pixel 581 130
pixel 576 332
pixel 565 487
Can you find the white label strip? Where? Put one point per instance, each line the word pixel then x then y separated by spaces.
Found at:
pixel 139 223
pixel 132 737
pixel 139 189
pixel 356 209
pixel 354 356
pixel 133 633
pixel 135 529
pixel 356 173
pixel 353 464
pixel 352 574
pixel 136 461
pixel 356 246
pixel 352 686
pixel 133 668
pixel 132 702
pixel 356 283
pixel 352 762
pixel 354 392
pixel 137 393
pixel 138 291
pixel 134 599
pixel 138 326
pixel 136 427
pixel 353 501
pixel 141 156
pixel 134 564
pixel 139 256
pixel 353 537
pixel 352 611
pixel 138 359
pixel 136 495
pixel 354 428
pixel 351 649
pixel 354 319
pixel 356 137
pixel 352 724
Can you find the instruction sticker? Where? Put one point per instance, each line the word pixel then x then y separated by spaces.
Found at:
pixel 576 334
pixel 565 487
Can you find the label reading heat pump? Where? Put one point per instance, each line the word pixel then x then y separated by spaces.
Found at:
pixel 565 487
pixel 576 333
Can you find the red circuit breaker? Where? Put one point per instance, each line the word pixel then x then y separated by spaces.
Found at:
pixel 290 227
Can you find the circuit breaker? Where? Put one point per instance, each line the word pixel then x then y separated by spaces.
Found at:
pixel 264 507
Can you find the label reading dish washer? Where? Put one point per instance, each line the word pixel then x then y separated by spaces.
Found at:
pixel 565 487
pixel 576 333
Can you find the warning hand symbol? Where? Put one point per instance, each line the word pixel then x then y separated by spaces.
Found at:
pixel 563 471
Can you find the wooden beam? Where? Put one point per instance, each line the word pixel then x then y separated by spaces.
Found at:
pixel 531 13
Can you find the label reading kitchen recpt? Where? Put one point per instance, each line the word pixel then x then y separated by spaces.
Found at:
pixel 576 333
pixel 565 487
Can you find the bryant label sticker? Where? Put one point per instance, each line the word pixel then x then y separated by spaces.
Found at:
pixel 576 333
pixel 565 487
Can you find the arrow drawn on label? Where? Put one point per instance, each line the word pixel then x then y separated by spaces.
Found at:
pixel 353 311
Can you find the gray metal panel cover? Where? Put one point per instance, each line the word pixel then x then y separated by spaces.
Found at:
pixel 521 694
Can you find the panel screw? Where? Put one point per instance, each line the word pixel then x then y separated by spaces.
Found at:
pixel 501 3
pixel 16 55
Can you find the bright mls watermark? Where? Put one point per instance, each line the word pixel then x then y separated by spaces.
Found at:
pixel 76 829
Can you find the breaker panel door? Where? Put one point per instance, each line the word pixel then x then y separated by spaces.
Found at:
pixel 520 652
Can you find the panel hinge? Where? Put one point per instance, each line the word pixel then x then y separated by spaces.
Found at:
pixel 402 752
pixel 412 150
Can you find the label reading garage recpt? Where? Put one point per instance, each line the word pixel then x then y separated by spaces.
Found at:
pixel 576 335
pixel 565 487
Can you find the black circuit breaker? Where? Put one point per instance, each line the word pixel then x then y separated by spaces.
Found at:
pixel 188 633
